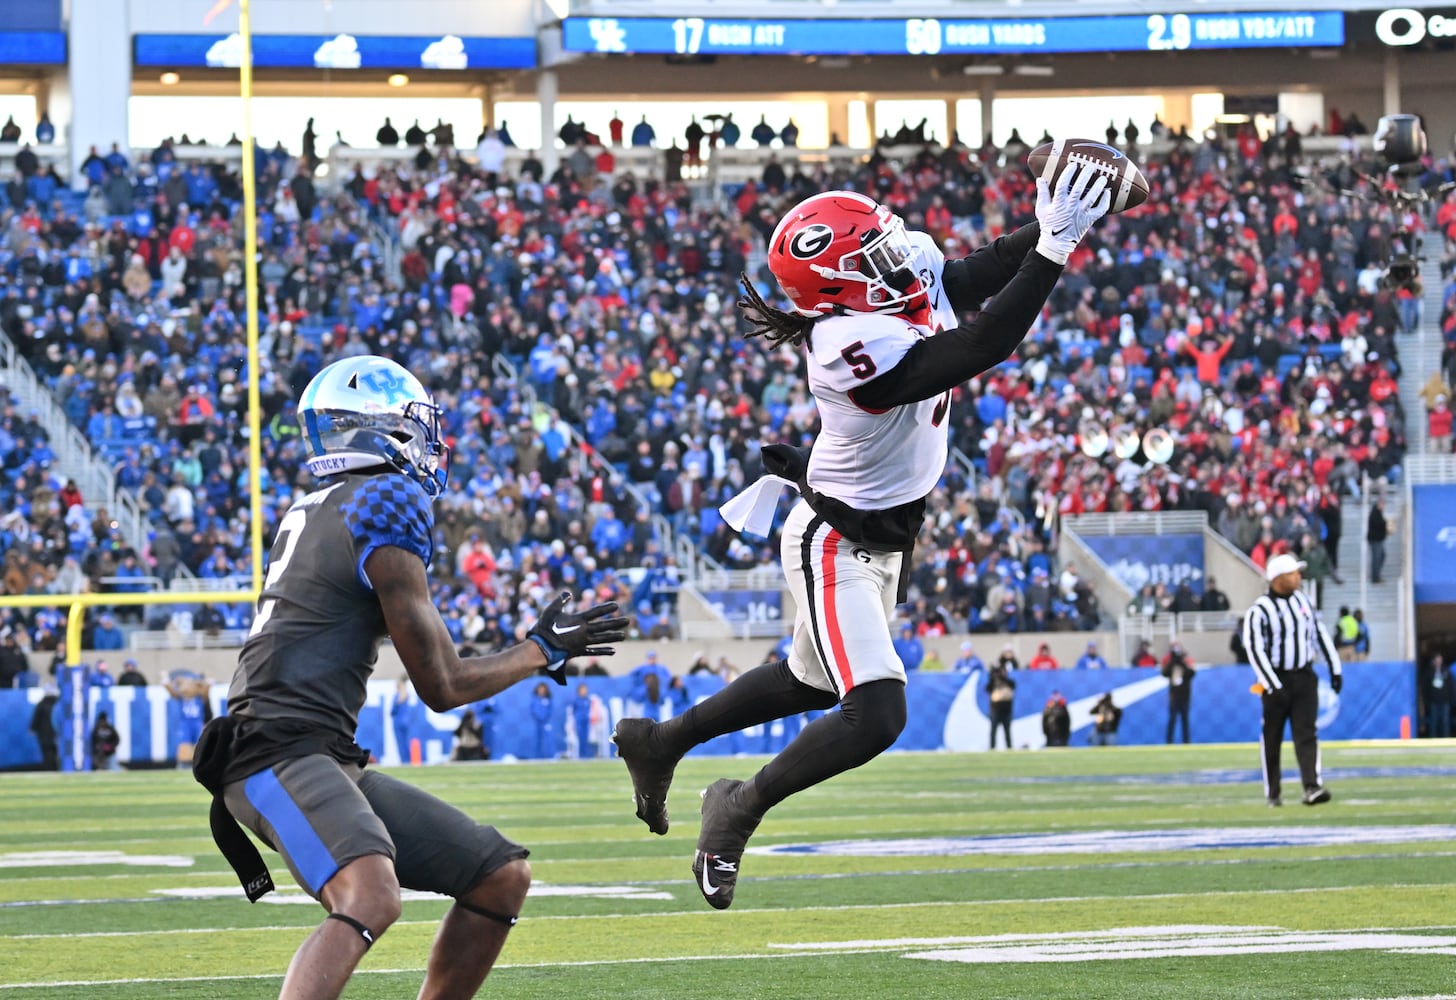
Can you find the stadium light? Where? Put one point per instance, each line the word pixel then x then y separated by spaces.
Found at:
pixel 170 79
pixel 398 80
pixel 1027 70
pixel 983 69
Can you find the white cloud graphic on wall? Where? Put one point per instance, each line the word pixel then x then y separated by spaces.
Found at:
pixel 447 53
pixel 226 52
pixel 339 52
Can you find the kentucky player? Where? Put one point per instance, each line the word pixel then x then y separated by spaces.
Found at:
pixel 348 567
pixel 868 310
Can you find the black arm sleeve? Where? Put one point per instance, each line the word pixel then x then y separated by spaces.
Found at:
pixel 947 359
pixel 972 280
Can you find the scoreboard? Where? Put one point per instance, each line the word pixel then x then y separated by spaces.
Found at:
pixel 917 36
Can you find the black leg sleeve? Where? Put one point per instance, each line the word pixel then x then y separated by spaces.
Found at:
pixel 868 721
pixel 763 694
pixel 1304 725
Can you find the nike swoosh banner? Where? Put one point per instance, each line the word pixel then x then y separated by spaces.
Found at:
pixel 946 711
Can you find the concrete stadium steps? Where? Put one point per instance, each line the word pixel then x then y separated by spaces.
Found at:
pixel 74 457
pixel 1420 355
pixel 1381 603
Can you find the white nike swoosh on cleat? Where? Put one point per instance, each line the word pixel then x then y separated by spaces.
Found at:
pixel 709 889
pixel 562 631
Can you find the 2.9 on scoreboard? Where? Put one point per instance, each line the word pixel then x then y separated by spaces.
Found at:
pixel 935 36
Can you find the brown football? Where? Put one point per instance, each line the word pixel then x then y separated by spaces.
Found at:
pixel 1129 186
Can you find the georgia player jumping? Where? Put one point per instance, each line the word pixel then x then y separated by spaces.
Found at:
pixel 863 296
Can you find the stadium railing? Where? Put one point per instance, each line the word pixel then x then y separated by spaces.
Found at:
pixel 228 638
pixel 74 453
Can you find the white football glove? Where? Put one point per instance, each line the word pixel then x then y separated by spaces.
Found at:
pixel 1080 199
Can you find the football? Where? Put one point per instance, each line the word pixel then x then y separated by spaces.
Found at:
pixel 1128 185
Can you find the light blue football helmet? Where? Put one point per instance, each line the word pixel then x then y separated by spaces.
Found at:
pixel 364 412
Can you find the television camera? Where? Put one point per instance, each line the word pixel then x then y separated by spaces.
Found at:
pixel 1400 143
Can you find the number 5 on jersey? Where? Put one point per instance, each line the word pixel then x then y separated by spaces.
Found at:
pixel 861 365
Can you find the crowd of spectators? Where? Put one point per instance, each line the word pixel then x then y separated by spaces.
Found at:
pixel 580 331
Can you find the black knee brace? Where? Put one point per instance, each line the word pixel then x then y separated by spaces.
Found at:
pixel 364 932
pixel 480 911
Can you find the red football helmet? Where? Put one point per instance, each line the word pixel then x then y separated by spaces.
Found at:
pixel 840 251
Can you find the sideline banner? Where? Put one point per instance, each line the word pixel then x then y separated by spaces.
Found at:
pixel 1434 518
pixel 946 712
pixel 1137 560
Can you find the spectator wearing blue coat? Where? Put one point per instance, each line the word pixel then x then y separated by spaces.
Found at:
pixel 609 533
pixel 643 134
pixel 580 710
pixel 1091 660
pixel 908 647
pixel 541 716
pixel 650 682
pixel 42 186
pixel 106 635
pixel 968 661
pixel 94 167
pixel 651 625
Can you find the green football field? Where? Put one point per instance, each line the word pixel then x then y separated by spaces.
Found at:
pixel 1084 873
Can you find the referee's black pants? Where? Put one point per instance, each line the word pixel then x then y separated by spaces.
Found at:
pixel 1296 703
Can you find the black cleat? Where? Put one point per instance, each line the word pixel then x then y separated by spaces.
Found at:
pixel 651 771
pixel 724 835
pixel 1314 796
pixel 1275 801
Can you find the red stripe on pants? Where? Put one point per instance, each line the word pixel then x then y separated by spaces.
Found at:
pixel 831 613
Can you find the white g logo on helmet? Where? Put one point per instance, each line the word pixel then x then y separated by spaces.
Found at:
pixel 811 241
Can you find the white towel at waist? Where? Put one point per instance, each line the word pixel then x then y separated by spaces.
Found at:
pixel 752 510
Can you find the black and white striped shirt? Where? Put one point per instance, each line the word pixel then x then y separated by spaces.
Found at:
pixel 1283 634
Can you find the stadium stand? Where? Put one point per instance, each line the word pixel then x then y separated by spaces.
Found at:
pixel 580 330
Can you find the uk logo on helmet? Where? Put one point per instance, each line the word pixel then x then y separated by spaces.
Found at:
pixel 386 384
pixel 811 241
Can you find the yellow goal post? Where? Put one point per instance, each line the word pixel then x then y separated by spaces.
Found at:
pixel 78 603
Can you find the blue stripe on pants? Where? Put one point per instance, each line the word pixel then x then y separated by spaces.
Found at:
pixel 294 836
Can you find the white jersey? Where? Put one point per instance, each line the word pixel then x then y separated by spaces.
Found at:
pixel 871 460
pixel 929 267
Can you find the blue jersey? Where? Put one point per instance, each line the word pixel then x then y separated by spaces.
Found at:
pixel 316 635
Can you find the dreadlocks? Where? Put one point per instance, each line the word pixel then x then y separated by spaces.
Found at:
pixel 775 325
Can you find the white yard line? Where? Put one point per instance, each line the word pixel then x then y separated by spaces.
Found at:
pixel 786 911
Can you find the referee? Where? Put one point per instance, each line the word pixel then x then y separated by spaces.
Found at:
pixel 1283 634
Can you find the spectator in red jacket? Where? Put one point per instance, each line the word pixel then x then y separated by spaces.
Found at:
pixel 1043 660
pixel 1438 422
pixel 1144 656
pixel 1208 357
